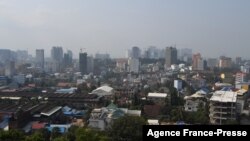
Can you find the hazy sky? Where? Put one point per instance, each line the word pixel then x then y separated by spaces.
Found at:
pixel 212 27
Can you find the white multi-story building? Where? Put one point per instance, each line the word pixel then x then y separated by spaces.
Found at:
pixel 240 77
pixel 134 65
pixel 178 84
pixel 223 107
pixel 193 102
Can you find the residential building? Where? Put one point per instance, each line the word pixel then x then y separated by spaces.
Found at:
pixel 103 117
pixel 242 96
pixel 178 84
pixel 225 62
pixel 171 56
pixel 198 62
pixel 5 55
pixel 90 64
pixel 136 53
pixel 102 56
pixel 245 68
pixel 223 107
pixel 57 53
pixel 153 122
pixel 185 54
pixel 212 62
pixel 10 69
pixel 121 64
pixel 240 77
pixel 68 59
pixel 83 63
pixel 134 65
pixel 40 58
pixel 158 98
pixel 193 102
pixel 238 61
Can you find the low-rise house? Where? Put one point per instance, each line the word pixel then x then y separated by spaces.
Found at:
pixel 158 98
pixel 153 122
pixel 103 117
pixel 192 102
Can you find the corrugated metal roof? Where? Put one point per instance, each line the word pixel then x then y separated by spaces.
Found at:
pixel 224 96
pixel 159 95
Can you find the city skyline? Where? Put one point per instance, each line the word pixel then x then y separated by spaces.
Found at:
pixel 115 26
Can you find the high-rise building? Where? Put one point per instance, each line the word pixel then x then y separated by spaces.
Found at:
pixel 212 62
pixel 136 52
pixel 185 54
pixel 40 58
pixel 102 56
pixel 134 65
pixel 5 55
pixel 10 68
pixel 57 54
pixel 238 61
pixel 83 63
pixel 171 56
pixel 67 59
pixel 225 62
pixel 90 64
pixel 198 62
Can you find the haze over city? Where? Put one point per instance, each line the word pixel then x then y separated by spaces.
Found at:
pixel 210 27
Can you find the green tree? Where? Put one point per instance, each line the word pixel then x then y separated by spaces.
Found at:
pixel 45 133
pixel 176 114
pixel 55 133
pixel 61 139
pixel 127 128
pixel 198 117
pixel 12 135
pixel 87 134
pixel 71 134
pixel 37 136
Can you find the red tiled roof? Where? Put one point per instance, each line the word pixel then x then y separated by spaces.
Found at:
pixel 62 84
pixel 38 125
